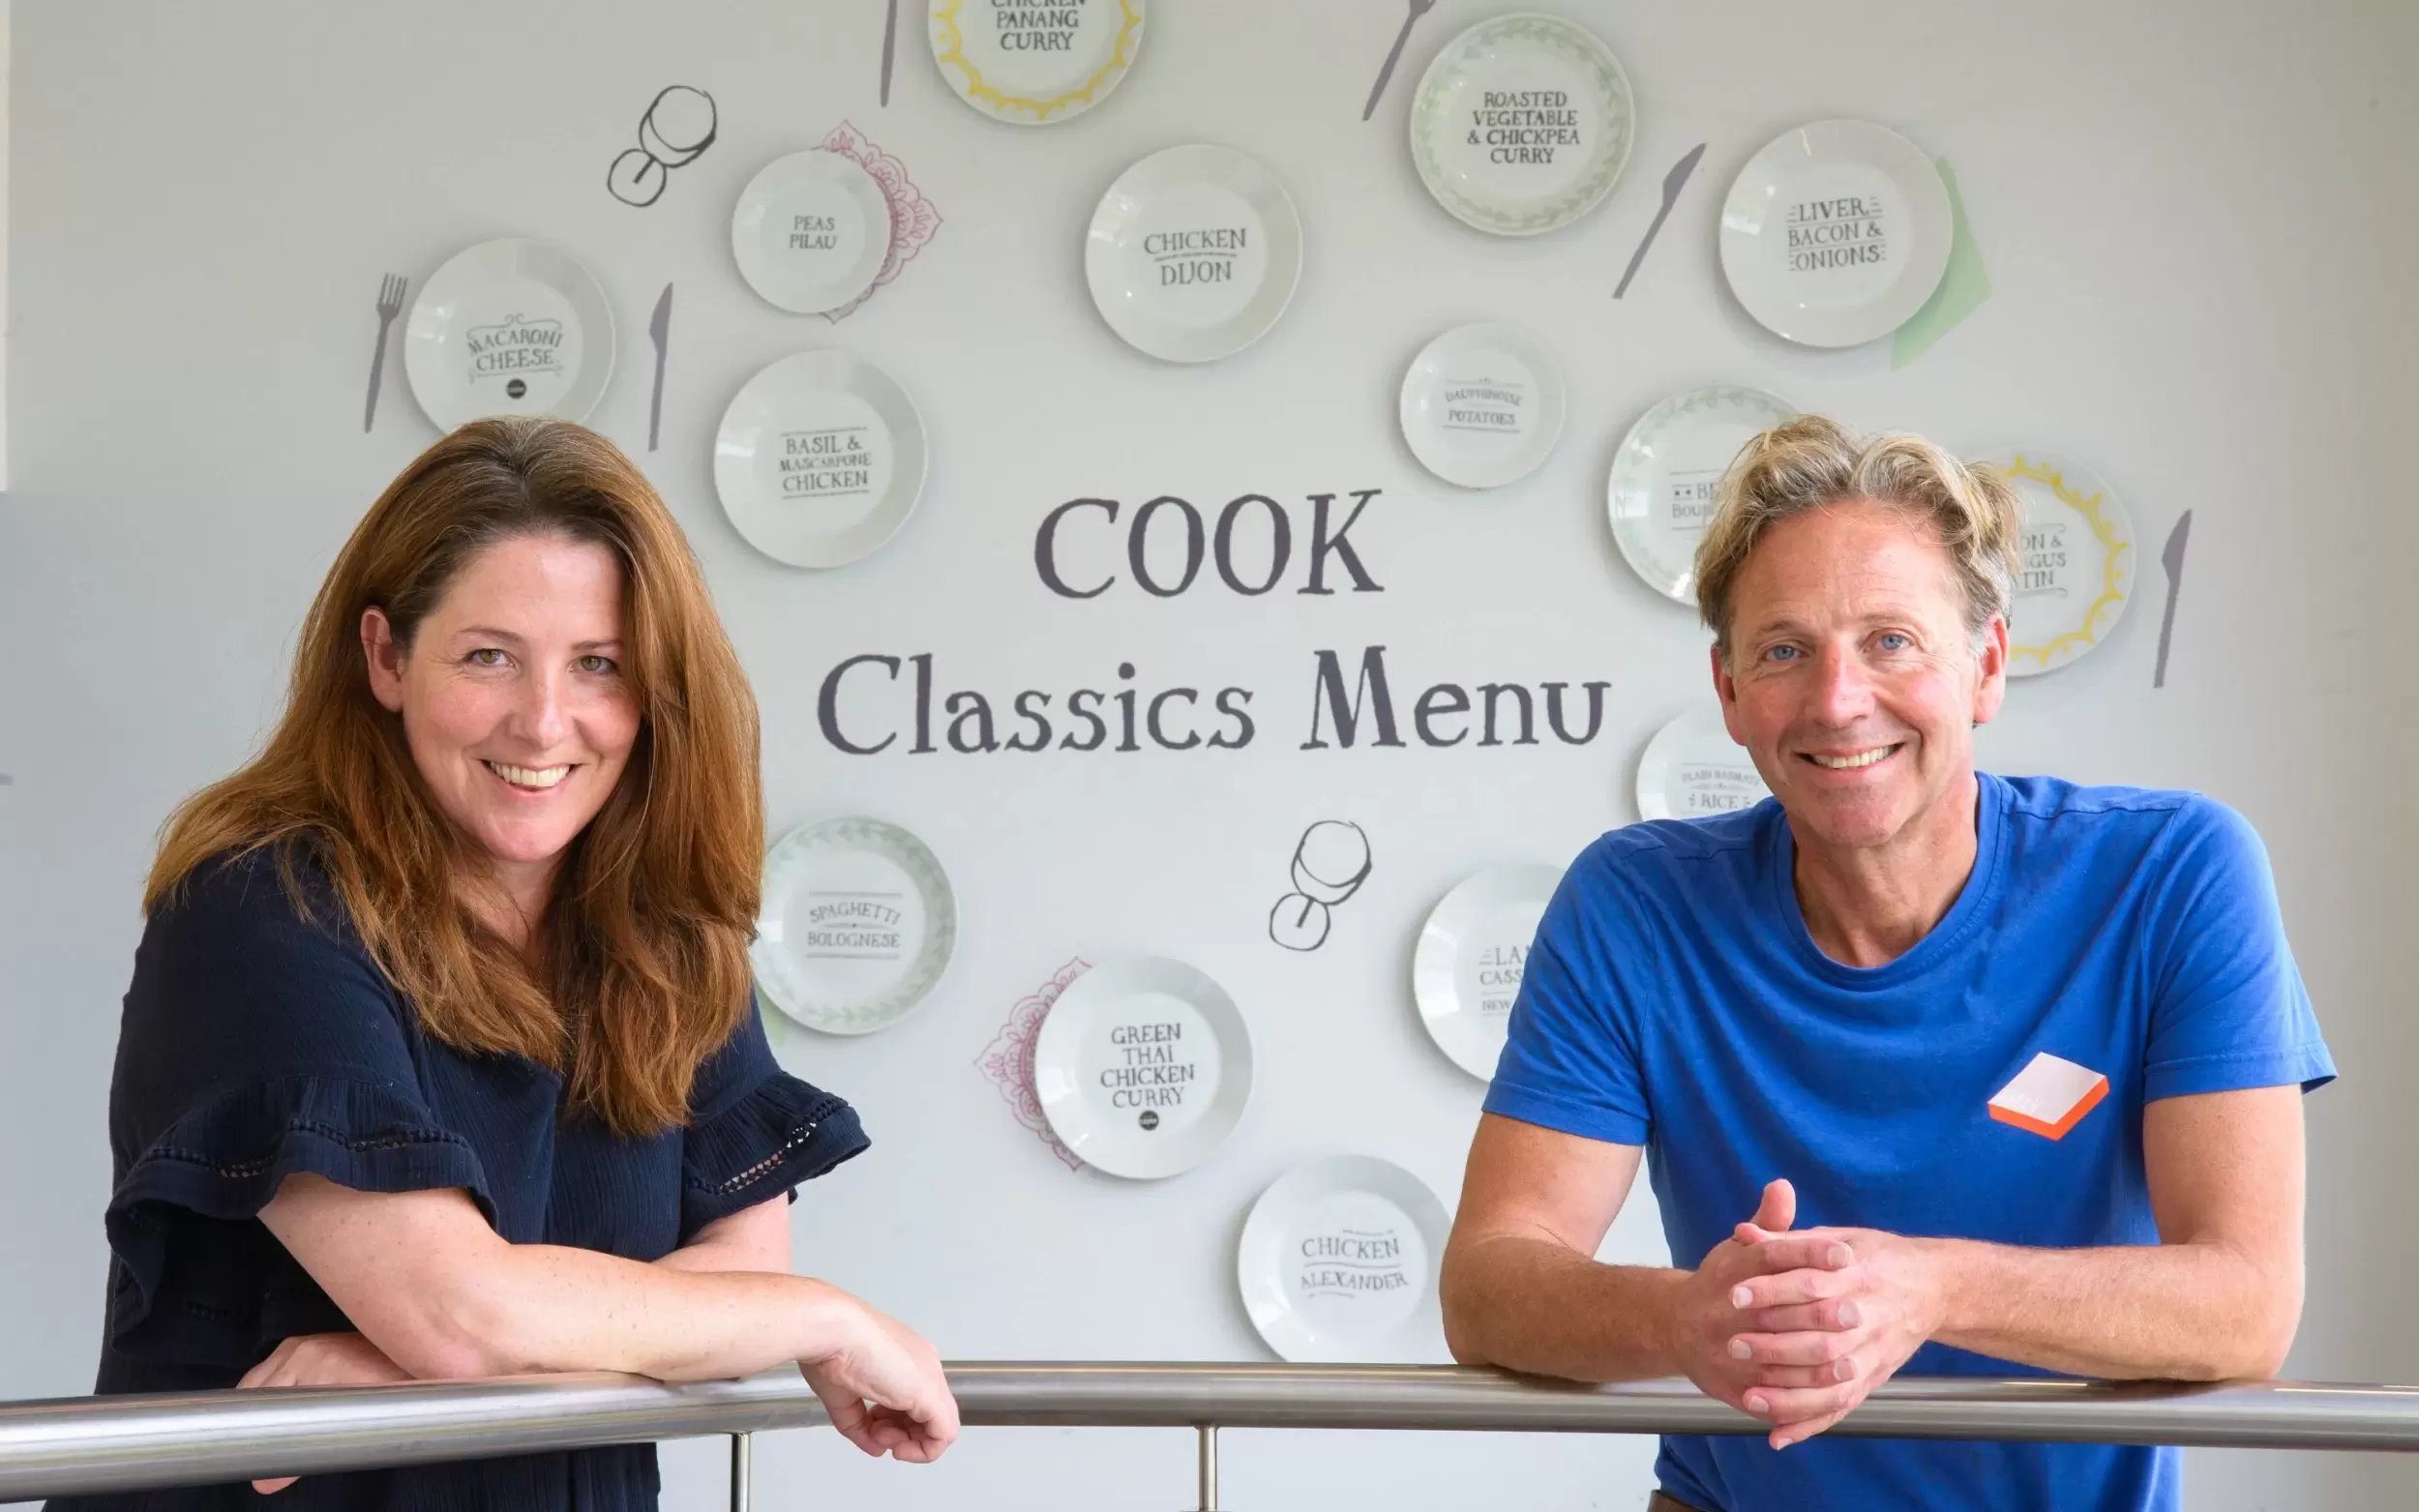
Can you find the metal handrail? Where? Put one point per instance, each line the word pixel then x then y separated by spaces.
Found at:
pixel 87 1444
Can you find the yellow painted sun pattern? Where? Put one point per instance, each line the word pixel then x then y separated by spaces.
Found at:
pixel 2111 577
pixel 950 47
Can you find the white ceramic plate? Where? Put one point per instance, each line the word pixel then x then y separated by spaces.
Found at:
pixel 820 460
pixel 1483 405
pixel 1035 64
pixel 508 327
pixel 1338 1264
pixel 1693 769
pixel 859 922
pixel 1143 1067
pixel 811 231
pixel 1835 232
pixel 2076 571
pixel 1522 123
pixel 1466 968
pixel 1193 253
pixel 1661 493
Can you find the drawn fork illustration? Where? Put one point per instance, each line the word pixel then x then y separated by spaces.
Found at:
pixel 390 305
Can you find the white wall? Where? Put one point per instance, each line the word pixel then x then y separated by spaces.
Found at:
pixel 2197 218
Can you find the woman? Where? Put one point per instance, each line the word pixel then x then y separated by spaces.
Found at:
pixel 440 1059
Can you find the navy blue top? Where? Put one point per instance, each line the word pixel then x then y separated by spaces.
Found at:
pixel 257 1044
pixel 2112 947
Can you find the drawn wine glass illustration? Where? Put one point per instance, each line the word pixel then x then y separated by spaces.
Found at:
pixel 679 123
pixel 1330 862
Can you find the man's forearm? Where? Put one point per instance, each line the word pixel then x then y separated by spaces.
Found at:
pixel 2173 1312
pixel 1536 1306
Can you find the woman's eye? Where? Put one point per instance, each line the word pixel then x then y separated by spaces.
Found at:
pixel 595 664
pixel 485 656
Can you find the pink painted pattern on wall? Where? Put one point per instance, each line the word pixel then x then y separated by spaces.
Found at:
pixel 912 218
pixel 1009 1059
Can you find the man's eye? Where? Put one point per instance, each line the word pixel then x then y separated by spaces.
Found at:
pixel 1892 640
pixel 596 664
pixel 1781 654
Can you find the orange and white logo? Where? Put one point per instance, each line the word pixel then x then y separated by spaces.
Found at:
pixel 2050 1096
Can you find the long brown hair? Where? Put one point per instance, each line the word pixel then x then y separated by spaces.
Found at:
pixel 646 968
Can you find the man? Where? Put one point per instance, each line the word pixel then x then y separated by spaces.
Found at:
pixel 1935 1071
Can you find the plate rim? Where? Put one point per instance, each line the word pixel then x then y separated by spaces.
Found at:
pixel 1104 978
pixel 2125 570
pixel 750 260
pixel 998 106
pixel 1530 350
pixel 1101 254
pixel 1662 415
pixel 1929 205
pixel 923 867
pixel 1259 1230
pixel 849 368
pixel 597 356
pixel 1432 954
pixel 1431 173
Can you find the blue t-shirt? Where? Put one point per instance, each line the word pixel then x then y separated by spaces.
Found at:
pixel 1674 999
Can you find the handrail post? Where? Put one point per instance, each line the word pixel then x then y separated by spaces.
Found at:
pixel 1209 1468
pixel 741 1476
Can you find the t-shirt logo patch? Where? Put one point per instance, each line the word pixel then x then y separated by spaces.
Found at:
pixel 2050 1096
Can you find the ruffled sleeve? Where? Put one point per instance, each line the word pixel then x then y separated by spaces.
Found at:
pixel 258 1043
pixel 755 1131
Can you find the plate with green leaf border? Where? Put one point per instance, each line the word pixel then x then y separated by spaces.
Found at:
pixel 1660 495
pixel 858 922
pixel 1522 125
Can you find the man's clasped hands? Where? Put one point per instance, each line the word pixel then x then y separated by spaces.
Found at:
pixel 1796 1327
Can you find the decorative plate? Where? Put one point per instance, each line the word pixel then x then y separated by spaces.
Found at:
pixel 1338 1264
pixel 1466 968
pixel 508 327
pixel 2076 571
pixel 1034 62
pixel 1661 493
pixel 1483 405
pixel 1693 769
pixel 820 460
pixel 1143 1067
pixel 859 922
pixel 1522 123
pixel 812 231
pixel 1836 233
pixel 1193 253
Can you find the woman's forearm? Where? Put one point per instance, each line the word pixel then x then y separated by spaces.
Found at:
pixel 424 1277
pixel 552 1308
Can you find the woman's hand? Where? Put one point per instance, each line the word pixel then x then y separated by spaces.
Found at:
pixel 885 1391
pixel 320 1359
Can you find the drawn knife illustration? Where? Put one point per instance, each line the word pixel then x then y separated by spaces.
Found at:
pixel 1672 184
pixel 658 330
pixel 2171 558
pixel 890 44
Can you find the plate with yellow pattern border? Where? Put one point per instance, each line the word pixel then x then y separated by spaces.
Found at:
pixel 1036 62
pixel 2076 563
